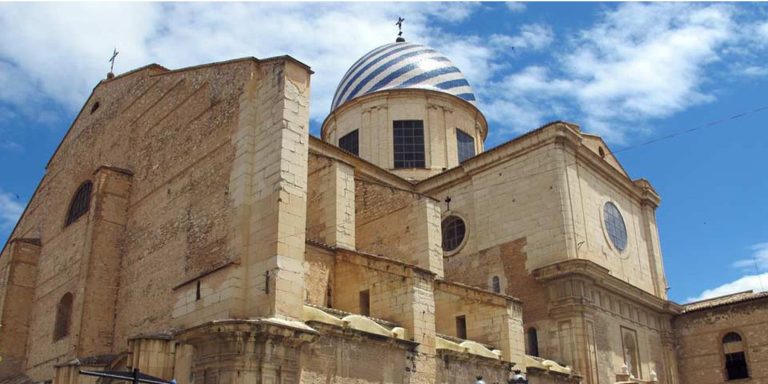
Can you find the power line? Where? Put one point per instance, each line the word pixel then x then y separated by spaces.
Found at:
pixel 702 126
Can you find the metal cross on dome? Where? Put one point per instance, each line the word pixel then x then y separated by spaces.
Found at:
pixel 112 60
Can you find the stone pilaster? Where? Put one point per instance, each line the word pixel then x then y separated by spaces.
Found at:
pixel 17 291
pixel 154 356
pixel 101 260
pixel 268 187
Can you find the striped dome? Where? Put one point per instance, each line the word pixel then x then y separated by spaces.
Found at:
pixel 402 65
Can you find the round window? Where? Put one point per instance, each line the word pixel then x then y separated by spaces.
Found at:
pixel 454 231
pixel 614 225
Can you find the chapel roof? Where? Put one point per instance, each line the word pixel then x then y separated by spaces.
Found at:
pixel 723 300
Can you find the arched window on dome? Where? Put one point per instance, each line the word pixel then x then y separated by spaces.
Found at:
pixel 532 342
pixel 735 357
pixel 80 202
pixel 63 317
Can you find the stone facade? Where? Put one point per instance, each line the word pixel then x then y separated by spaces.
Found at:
pixel 220 243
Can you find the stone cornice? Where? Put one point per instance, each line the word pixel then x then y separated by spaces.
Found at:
pixel 288 332
pixel 568 135
pixel 602 278
pixel 481 294
pixel 383 264
pixel 555 132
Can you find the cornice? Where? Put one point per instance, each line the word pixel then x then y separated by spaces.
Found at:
pixel 602 278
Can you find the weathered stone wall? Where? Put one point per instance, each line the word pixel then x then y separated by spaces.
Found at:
pixel 331 202
pixel 398 224
pixel 171 225
pixel 319 270
pixel 455 368
pixel 354 358
pixel 699 335
pixel 18 272
pixel 589 189
pixel 490 318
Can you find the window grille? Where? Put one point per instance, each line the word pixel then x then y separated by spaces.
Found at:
pixel 350 143
pixel 466 145
pixel 80 203
pixel 409 143
pixel 454 231
pixel 614 225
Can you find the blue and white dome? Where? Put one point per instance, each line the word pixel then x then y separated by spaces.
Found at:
pixel 402 65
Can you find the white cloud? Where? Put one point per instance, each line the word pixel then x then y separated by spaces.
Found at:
pixel 756 264
pixel 515 6
pixel 745 283
pixel 60 51
pixel 754 70
pixel 639 62
pixel 10 210
pixel 533 36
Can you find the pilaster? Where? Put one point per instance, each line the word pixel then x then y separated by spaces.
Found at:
pixel 17 291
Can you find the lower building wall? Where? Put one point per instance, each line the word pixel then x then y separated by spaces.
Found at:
pixel 700 342
pixel 464 369
pixel 341 357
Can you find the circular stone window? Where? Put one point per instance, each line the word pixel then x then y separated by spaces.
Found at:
pixel 614 225
pixel 454 231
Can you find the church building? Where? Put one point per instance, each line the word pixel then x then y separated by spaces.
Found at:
pixel 189 226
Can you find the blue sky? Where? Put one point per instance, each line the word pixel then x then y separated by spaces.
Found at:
pixel 631 72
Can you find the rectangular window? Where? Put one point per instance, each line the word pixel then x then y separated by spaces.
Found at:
pixel 461 327
pixel 409 143
pixel 466 144
pixel 365 303
pixel 350 143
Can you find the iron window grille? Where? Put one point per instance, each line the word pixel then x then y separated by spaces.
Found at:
pixel 409 143
pixel 351 142
pixel 466 145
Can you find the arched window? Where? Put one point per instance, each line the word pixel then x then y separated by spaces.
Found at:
pixel 496 284
pixel 735 358
pixel 80 203
pixel 532 342
pixel 63 317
